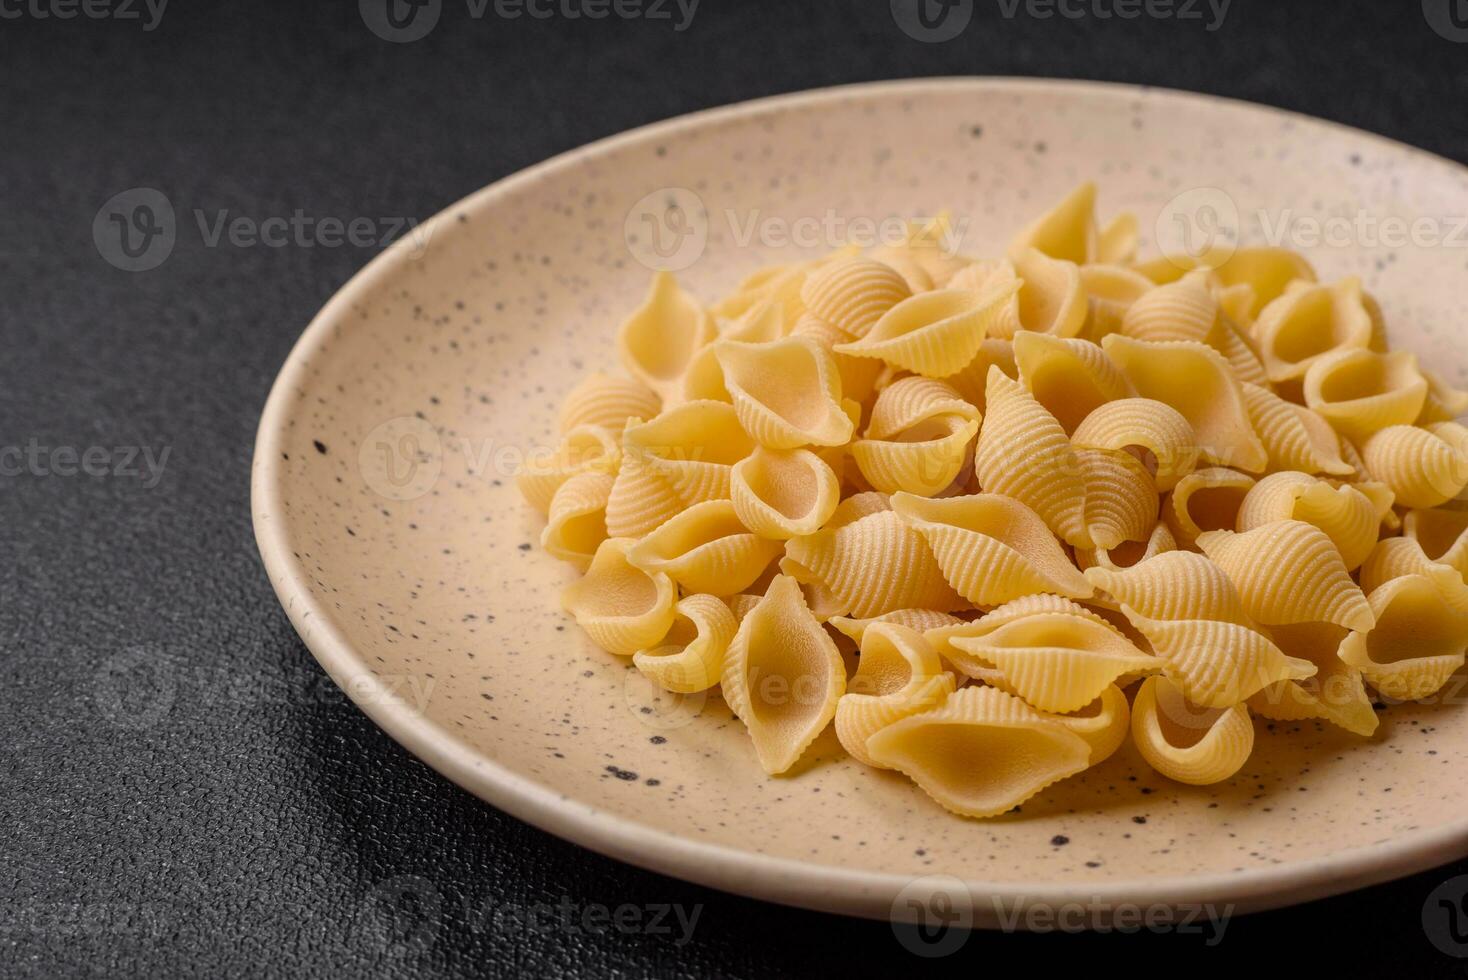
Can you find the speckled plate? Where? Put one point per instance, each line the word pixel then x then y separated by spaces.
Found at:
pixel 401 550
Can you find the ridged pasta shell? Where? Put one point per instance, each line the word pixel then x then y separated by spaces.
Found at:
pixel 1444 403
pixel 1024 752
pixel 1121 499
pixel 1267 270
pixel 780 284
pixel 1069 377
pixel 921 620
pixel 578 518
pixel 1182 310
pixel 691 657
pixel 641 499
pixel 705 549
pixel 972 381
pixel 1346 515
pixel 875 564
pixel 859 375
pixel 1393 558
pixel 1294 437
pixel 897 675
pixel 1218 664
pixel 1067 231
pixel 941 636
pixel 1335 693
pixel 1416 644
pixel 853 294
pixel 1022 452
pixel 600 399
pixel 1104 723
pixel 658 341
pixel 923 460
pixel 1195 380
pixel 991 548
pixel 621 607
pixel 1050 300
pixel 1110 291
pixel 1119 239
pixel 584 449
pixel 787 393
pixel 909 401
pixel 782 494
pixel 1360 391
pixel 1205 500
pixel 693 446
pixel 1308 320
pixel 761 323
pixel 1175 585
pixel 1186 743
pixel 1128 554
pixel 934 333
pixel 1423 467
pixel 1442 534
pixel 1289 572
pixel 1148 428
pixel 1057 662
pixel 782 676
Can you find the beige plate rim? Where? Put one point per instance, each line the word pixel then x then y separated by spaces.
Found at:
pixel 816 886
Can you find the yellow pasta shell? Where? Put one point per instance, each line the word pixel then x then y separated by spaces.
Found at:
pixel 1185 743
pixel 934 333
pixel 691 657
pixel 921 620
pixel 705 549
pixel 1067 231
pixel 1182 310
pixel 1104 723
pixel 1294 437
pixel 1423 467
pixel 1071 377
pixel 621 607
pixel 1393 558
pixel 1205 500
pixel 782 494
pixel 692 446
pixel 924 460
pixel 1121 499
pixel 578 518
pixel 853 294
pixel 1174 585
pixel 1050 300
pixel 1417 642
pixel 600 399
pixel 897 675
pixel 584 449
pixel 1346 515
pixel 941 636
pixel 1128 554
pixel 1153 430
pixel 1218 664
pixel 972 381
pixel 1444 403
pixel 1336 692
pixel 1361 391
pixel 859 375
pixel 1443 535
pixel 1110 291
pixel 641 498
pixel 658 341
pixel 1289 572
pixel 787 393
pixel 1308 320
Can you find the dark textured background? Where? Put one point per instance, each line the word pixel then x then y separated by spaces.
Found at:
pixel 182 790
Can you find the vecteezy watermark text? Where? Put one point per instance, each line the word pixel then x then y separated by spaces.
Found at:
pixel 935 21
pixel 404 21
pixel 142 463
pixel 148 12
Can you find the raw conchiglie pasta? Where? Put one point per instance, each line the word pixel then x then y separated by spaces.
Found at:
pixel 1416 644
pixel 1195 380
pixel 1360 391
pixel 1206 500
pixel 1153 431
pixel 577 524
pixel 1392 558
pixel 780 284
pixel 1110 292
pixel 659 340
pixel 786 393
pixel 1022 452
pixel 621 607
pixel 1217 664
pixel 972 382
pixel 705 549
pixel 921 620
pixel 991 548
pixel 782 494
pixel 1266 270
pixel 1024 752
pixel 1308 320
pixel 1346 515
pixel 609 402
pixel 875 564
pixel 853 294
pixel 584 449
pixel 918 437
pixel 1069 377
pixel 898 675
pixel 1423 467
pixel 1128 554
pixel 761 323
pixel 934 333
pixel 641 498
pixel 782 676
pixel 1118 240
pixel 1182 310
pixel 1121 500
pixel 1103 723
pixel 1067 231
pixel 1294 437
pixel 693 446
pixel 1444 403
pixel 1050 298
pixel 690 658
pixel 1289 572
pixel 1174 585
pixel 942 635
pixel 1442 534
pixel 859 375
pixel 1185 742
pixel 1335 693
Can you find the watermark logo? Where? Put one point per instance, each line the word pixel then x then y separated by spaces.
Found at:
pixel 135 689
pixel 400 21
pixel 135 230
pixel 403 914
pixel 1448 18
pixel 404 21
pixel 661 710
pixel 402 458
pixel 1445 917
pixel 668 229
pixel 1200 222
pixel 932 21
pixel 932 916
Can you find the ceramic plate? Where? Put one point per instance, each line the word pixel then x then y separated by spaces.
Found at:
pixel 400 548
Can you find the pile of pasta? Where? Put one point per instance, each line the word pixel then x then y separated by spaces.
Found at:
pixel 960 508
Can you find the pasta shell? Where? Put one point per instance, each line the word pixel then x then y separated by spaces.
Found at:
pixel 1442 534
pixel 693 446
pixel 1110 291
pixel 622 608
pixel 1423 467
pixel 1186 743
pixel 1205 500
pixel 779 284
pixel 1128 554
pixel 921 620
pixel 1022 452
pixel 783 494
pixel 584 449
pixel 1057 662
pixel 1103 723
pixel 761 323
pixel 1308 320
pixel 1444 403
pixel 1023 751
pixel 859 375
pixel 1335 693
pixel 1360 391
pixel 1417 642
pixel 941 636
pixel 918 437
pixel 578 518
pixel 1289 572
pixel 1196 381
pixel 1182 310
pixel 972 382
pixel 1294 437
pixel 875 564
pixel 640 500
pixel 934 333
pixel 782 676
pixel 658 341
pixel 786 393
pixel 991 548
pixel 853 294
pixel 1392 558
pixel 1266 270
pixel 691 657
pixel 1218 664
pixel 898 675
pixel 1050 298
pixel 1067 231
pixel 602 400
pixel 1350 519
pixel 1119 239
pixel 1154 431
pixel 1176 585
pixel 909 401
pixel 1121 499
pixel 1071 378
pixel 705 549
